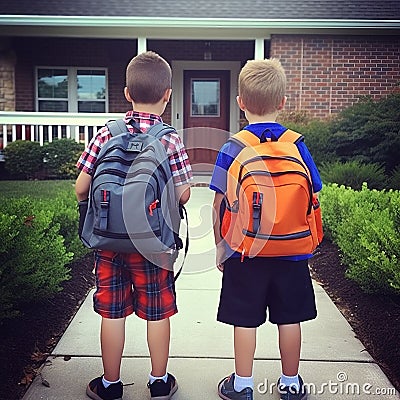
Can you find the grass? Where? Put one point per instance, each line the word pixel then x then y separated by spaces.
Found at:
pixel 34 189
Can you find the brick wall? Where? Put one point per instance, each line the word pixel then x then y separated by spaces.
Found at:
pixel 326 74
pixel 111 54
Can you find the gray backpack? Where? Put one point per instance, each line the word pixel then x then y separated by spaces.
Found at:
pixel 132 206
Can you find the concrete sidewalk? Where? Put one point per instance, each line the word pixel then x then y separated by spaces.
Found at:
pixel 334 362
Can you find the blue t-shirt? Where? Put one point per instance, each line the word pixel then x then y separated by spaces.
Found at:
pixel 230 150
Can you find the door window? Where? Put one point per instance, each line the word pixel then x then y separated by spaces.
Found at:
pixel 205 97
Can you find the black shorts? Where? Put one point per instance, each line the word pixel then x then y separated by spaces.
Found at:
pixel 252 287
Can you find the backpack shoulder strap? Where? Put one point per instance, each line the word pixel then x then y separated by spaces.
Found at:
pixel 291 136
pixel 244 138
pixel 160 129
pixel 116 127
pixel 183 215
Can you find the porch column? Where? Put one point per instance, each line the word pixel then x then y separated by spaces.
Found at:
pixel 141 44
pixel 259 49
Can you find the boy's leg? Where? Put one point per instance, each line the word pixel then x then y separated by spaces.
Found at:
pixel 245 347
pixel 162 384
pixel 158 339
pixel 112 339
pixel 289 347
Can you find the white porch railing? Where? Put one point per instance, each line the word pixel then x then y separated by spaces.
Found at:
pixel 45 127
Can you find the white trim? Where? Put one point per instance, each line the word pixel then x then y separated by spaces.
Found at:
pixel 179 22
pixel 259 49
pixel 141 44
pixel 178 67
pixel 124 27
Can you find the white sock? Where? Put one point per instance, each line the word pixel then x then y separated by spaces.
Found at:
pixel 107 383
pixel 242 382
pixel 290 381
pixel 154 378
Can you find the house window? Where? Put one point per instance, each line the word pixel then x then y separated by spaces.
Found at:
pixel 71 89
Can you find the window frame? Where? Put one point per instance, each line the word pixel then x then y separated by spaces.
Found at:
pixel 72 96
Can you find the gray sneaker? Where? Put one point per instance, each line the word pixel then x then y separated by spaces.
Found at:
pixel 227 391
pixel 289 393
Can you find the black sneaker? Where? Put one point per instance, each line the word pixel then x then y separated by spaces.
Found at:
pixel 290 393
pixel 95 390
pixel 160 390
pixel 226 390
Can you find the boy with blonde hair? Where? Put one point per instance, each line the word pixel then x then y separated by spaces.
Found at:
pixel 253 285
pixel 127 283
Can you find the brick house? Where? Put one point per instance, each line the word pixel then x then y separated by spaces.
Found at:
pixel 58 56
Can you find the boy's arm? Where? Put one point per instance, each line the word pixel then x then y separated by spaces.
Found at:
pixel 219 242
pixel 182 193
pixel 82 186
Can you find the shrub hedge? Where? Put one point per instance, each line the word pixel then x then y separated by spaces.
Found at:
pixel 23 159
pixel 367 132
pixel 60 157
pixel 354 173
pixel 365 225
pixel 27 160
pixel 38 239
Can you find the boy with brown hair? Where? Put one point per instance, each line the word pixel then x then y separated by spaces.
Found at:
pixel 253 285
pixel 127 283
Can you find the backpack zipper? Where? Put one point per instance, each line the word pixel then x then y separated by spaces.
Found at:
pixel 265 157
pixel 116 235
pixel 259 172
pixel 290 236
pixel 118 147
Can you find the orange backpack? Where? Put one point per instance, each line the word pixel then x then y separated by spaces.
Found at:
pixel 269 208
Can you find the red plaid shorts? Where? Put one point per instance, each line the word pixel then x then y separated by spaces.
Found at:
pixel 128 283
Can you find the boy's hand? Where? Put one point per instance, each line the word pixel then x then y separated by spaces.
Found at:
pixel 220 255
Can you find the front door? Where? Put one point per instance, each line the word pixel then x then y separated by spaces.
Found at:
pixel 206 116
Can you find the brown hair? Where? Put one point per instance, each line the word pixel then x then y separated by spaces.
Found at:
pixel 262 85
pixel 148 76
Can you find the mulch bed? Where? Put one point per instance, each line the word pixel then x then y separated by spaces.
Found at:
pixel 375 319
pixel 26 341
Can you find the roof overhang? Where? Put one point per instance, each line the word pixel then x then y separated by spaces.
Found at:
pixel 187 28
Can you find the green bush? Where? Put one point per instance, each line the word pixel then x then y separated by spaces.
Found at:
pixel 7 235
pixel 354 174
pixel 65 214
pixel 33 257
pixel 369 131
pixel 55 196
pixel 317 138
pixel 38 238
pixel 60 158
pixel 366 227
pixel 23 159
pixel 394 179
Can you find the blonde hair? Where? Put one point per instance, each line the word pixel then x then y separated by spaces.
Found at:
pixel 262 85
pixel 148 76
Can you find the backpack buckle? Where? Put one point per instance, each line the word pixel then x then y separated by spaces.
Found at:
pixel 105 197
pixel 257 203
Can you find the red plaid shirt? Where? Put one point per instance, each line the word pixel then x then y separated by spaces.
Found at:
pixel 178 158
